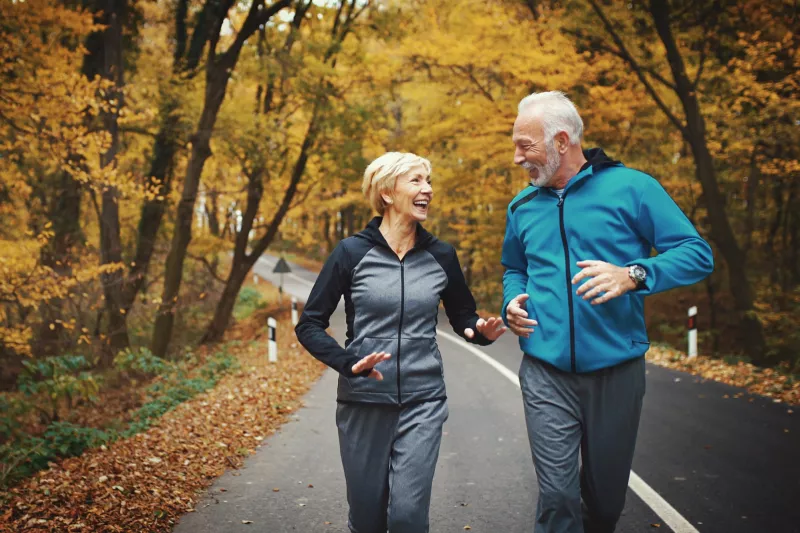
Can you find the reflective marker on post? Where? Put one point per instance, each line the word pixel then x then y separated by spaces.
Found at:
pixel 272 325
pixel 294 311
pixel 692 326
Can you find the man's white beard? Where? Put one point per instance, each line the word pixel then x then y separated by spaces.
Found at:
pixel 545 173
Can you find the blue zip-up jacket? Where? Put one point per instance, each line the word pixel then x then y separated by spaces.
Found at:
pixel 610 213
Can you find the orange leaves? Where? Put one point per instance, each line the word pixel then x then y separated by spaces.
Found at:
pixel 144 483
pixel 765 381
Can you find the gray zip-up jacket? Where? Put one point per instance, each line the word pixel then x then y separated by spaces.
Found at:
pixel 392 306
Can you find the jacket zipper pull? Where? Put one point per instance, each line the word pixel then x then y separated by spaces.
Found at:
pixel 560 200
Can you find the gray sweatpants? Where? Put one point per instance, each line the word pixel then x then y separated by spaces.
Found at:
pixel 389 456
pixel 596 414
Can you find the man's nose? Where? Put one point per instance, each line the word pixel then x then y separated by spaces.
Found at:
pixel 519 156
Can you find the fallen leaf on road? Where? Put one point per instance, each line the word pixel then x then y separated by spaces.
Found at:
pixel 655 525
pixel 775 383
pixel 467 527
pixel 247 521
pixel 276 490
pixel 310 486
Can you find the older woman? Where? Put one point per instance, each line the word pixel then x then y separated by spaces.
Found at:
pixel 392 401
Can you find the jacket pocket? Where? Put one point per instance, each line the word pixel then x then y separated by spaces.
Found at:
pixel 388 368
pixel 420 364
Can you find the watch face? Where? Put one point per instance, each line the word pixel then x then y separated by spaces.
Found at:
pixel 639 273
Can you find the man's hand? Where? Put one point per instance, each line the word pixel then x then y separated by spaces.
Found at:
pixel 517 316
pixel 602 277
pixel 369 362
pixel 491 329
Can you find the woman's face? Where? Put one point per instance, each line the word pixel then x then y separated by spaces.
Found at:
pixel 412 194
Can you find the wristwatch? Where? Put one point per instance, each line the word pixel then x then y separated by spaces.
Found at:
pixel 638 274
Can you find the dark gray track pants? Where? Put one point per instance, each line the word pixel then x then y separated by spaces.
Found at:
pixel 596 414
pixel 389 456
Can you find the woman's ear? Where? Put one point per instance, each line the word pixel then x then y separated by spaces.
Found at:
pixel 387 199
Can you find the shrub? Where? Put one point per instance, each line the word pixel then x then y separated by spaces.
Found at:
pixel 142 361
pixel 53 381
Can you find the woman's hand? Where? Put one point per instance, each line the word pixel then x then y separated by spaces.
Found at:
pixel 369 362
pixel 491 328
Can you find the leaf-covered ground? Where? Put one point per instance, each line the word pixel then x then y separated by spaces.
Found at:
pixel 146 482
pixel 780 386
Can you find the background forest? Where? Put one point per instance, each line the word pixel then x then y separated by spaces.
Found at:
pixel 152 150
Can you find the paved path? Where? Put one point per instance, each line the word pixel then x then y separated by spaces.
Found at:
pixel 703 462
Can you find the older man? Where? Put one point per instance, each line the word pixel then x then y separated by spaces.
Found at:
pixel 577 253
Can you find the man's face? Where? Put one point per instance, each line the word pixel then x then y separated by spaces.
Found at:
pixel 533 152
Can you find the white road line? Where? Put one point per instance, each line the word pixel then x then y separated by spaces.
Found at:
pixel 659 505
pixel 650 497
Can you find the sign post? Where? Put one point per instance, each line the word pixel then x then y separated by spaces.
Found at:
pixel 692 326
pixel 272 326
pixel 281 267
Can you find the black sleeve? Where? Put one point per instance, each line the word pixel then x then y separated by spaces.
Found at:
pixel 325 295
pixel 459 303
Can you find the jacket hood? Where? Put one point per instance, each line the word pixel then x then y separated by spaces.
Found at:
pixel 598 160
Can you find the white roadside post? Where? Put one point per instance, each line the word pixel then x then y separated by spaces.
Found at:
pixel 255 279
pixel 294 311
pixel 272 325
pixel 692 325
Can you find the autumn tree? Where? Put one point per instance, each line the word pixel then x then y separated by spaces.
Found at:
pixel 689 66
pixel 296 107
pixel 219 68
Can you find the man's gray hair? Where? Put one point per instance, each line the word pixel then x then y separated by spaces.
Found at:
pixel 558 114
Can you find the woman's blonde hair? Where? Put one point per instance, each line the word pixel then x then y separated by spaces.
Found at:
pixel 382 174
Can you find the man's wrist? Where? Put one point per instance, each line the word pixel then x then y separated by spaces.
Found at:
pixel 637 276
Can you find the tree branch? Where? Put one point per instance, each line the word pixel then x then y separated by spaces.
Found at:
pixel 628 58
pixel 208 266
pixel 598 44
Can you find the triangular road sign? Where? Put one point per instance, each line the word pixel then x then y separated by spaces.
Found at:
pixel 282 267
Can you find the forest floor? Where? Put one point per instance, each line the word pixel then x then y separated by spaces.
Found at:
pixel 146 482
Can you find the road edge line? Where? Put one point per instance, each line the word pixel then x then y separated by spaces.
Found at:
pixel 647 494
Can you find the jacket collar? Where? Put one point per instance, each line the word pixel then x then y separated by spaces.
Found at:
pixel 373 233
pixel 596 160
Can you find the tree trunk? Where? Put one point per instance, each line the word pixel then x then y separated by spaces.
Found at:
pixel 201 150
pixel 212 212
pixel 694 133
pixel 224 311
pixel 243 262
pixel 326 232
pixel 58 254
pixel 104 58
pixel 712 313
pixel 164 149
pixel 218 72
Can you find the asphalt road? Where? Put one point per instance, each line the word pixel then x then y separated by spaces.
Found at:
pixel 705 461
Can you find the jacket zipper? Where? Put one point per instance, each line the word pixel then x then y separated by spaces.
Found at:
pixel 569 284
pixel 400 328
